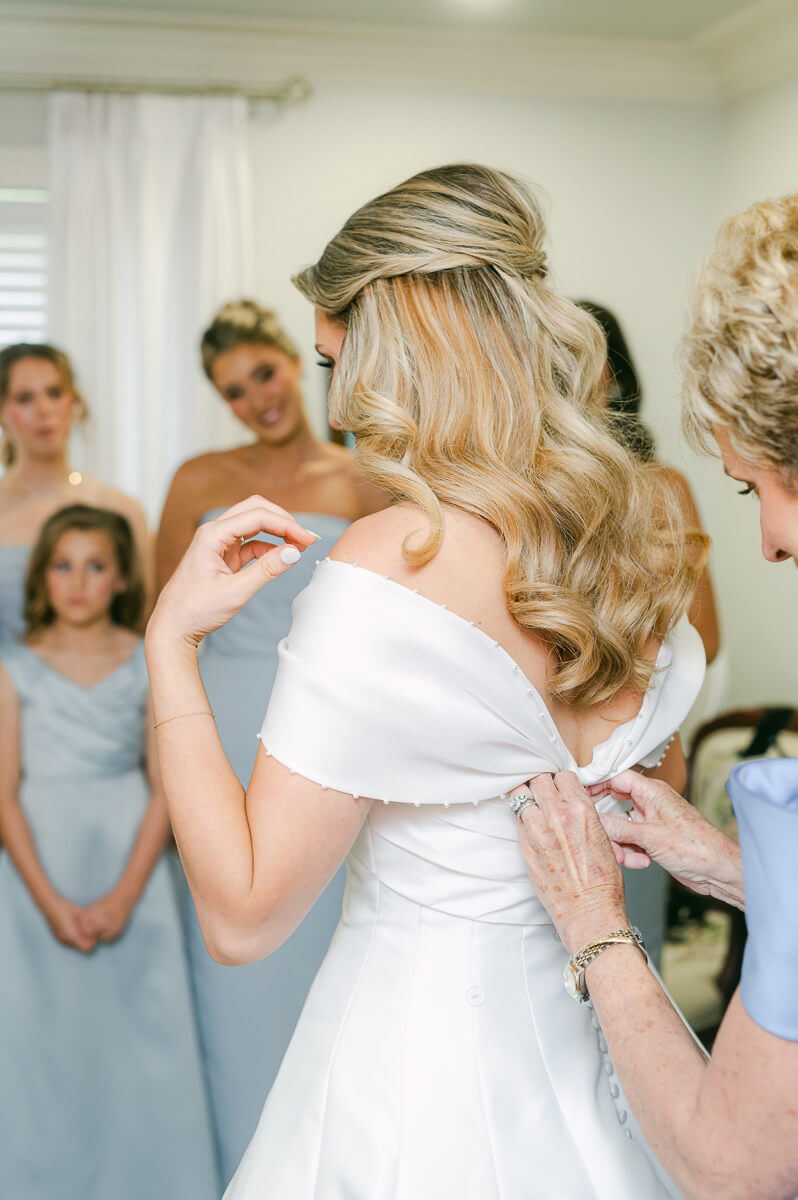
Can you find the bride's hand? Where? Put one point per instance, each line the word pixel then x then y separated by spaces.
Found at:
pixel 210 585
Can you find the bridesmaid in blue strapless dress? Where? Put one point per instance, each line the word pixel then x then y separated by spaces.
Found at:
pixel 247 1015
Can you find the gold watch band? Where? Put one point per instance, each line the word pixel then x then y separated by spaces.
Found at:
pixel 588 952
pixel 574 975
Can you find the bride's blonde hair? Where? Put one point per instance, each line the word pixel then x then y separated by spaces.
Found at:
pixel 468 381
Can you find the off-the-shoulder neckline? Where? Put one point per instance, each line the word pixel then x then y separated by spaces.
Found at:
pixel 620 731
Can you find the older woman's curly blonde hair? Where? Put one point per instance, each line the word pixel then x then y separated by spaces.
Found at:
pixel 741 347
pixel 469 381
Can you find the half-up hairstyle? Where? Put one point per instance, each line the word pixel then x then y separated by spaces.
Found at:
pixel 469 381
pixel 741 347
pixel 127 608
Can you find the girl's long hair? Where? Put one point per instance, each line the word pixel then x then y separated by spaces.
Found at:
pixel 469 381
pixel 127 608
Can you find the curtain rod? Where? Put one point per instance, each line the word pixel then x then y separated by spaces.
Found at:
pixel 292 90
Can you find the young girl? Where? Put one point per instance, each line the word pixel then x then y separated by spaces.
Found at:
pixel 101 1090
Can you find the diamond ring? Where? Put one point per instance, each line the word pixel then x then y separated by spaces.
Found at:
pixel 520 801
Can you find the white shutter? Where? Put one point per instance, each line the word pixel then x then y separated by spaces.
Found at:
pixel 23 265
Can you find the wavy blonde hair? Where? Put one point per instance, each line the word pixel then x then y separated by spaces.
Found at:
pixel 468 381
pixel 741 348
pixel 240 323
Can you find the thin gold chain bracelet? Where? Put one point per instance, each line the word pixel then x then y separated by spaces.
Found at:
pixel 180 716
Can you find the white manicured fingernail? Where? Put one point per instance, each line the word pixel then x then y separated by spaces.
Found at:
pixel 289 555
pixel 312 534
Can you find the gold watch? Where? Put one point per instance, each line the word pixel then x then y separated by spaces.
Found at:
pixel 573 976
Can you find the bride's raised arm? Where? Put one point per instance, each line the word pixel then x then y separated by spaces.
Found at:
pixel 252 874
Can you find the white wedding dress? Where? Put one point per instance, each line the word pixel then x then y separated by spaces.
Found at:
pixel 438 1056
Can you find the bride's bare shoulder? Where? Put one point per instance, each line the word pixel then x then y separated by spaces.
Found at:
pixel 471 550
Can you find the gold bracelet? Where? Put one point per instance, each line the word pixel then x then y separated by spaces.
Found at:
pixel 574 973
pixel 180 716
pixel 592 949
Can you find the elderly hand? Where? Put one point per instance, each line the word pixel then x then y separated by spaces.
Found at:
pixel 571 861
pixel 674 834
pixel 210 586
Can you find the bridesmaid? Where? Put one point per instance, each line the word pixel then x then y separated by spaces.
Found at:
pixel 39 404
pixel 101 1085
pixel 247 1014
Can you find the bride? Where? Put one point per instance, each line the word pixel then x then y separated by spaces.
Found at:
pixel 518 610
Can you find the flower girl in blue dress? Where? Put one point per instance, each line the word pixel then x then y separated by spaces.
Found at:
pixel 101 1091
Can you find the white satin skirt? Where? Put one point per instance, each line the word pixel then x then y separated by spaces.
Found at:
pixel 438 1056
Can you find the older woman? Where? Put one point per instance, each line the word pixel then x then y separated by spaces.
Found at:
pixel 728 1127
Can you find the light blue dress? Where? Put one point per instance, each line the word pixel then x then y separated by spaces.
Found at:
pixel 101 1088
pixel 247 1014
pixel 13 565
pixel 765 798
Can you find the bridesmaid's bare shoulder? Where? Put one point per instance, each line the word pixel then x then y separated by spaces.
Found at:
pixel 211 480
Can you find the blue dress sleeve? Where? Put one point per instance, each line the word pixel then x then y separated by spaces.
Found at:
pixel 765 798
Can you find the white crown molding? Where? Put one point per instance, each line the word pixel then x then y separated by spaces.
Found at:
pixel 49 44
pixel 754 48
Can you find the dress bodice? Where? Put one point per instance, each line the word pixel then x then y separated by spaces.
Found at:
pixel 382 693
pixel 765 798
pixel 256 630
pixel 13 565
pixel 87 731
pixel 461 861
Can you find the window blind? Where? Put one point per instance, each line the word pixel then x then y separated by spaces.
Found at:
pixel 23 265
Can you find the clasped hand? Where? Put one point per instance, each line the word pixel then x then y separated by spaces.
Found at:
pixel 210 586
pixel 82 927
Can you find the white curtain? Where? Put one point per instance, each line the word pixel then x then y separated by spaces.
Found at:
pixel 151 231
